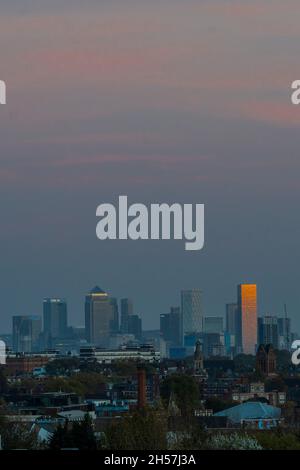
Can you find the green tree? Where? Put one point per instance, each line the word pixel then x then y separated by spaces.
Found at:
pixel 60 438
pixel 278 440
pixel 194 437
pixel 16 436
pixel 82 434
pixel 64 366
pixel 79 435
pixel 144 430
pixel 244 363
pixel 186 392
pixel 3 381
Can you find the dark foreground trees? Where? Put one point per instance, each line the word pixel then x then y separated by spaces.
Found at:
pixel 143 430
pixel 185 390
pixel 16 435
pixel 78 436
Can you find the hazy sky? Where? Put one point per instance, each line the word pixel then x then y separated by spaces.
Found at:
pixel 165 101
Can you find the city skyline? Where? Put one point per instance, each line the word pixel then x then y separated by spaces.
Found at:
pixel 240 330
pixel 169 302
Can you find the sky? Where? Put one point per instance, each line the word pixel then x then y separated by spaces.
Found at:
pixel 163 101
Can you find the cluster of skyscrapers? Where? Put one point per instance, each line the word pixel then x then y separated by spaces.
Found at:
pixel 31 333
pixel 242 333
pixel 180 328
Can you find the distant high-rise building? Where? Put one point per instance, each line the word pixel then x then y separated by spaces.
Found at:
pixel 26 333
pixel 115 322
pixel 232 318
pixel 170 326
pixel 126 311
pixel 99 317
pixel 55 318
pixel 135 326
pixel 233 326
pixel 268 330
pixel 213 344
pixel 284 332
pixel 247 305
pixel 191 311
pixel 213 325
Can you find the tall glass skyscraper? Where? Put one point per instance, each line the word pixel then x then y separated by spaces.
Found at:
pixel 233 324
pixel 115 321
pixel 247 305
pixel 170 326
pixel 55 318
pixel 26 333
pixel 268 331
pixel 191 312
pixel 126 311
pixel 99 317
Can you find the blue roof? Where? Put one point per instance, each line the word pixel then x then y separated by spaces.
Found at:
pixel 250 410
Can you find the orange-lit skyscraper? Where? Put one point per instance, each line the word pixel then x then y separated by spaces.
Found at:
pixel 247 305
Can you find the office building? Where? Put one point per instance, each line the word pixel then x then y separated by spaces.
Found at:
pixel 213 325
pixel 247 305
pixel 126 311
pixel 214 344
pixel 191 312
pixel 233 325
pixel 26 333
pixel 284 333
pixel 55 318
pixel 170 326
pixel 99 317
pixel 115 321
pixel 135 326
pixel 268 331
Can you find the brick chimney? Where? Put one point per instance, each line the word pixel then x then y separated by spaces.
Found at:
pixel 142 398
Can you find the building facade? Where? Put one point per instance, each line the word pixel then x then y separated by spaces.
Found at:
pixel 268 330
pixel 26 333
pixel 126 311
pixel 99 317
pixel 191 312
pixel 55 317
pixel 247 305
pixel 170 326
pixel 213 325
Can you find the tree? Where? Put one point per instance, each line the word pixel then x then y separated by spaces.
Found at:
pixel 186 392
pixel 3 382
pixel 16 436
pixel 82 434
pixel 278 440
pixel 64 366
pixel 144 430
pixel 283 360
pixel 193 437
pixel 60 438
pixel 244 363
pixel 234 441
pixel 78 436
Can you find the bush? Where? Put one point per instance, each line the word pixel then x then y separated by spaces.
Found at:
pixel 233 442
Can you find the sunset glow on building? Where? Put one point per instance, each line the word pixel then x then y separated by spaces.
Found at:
pixel 247 304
